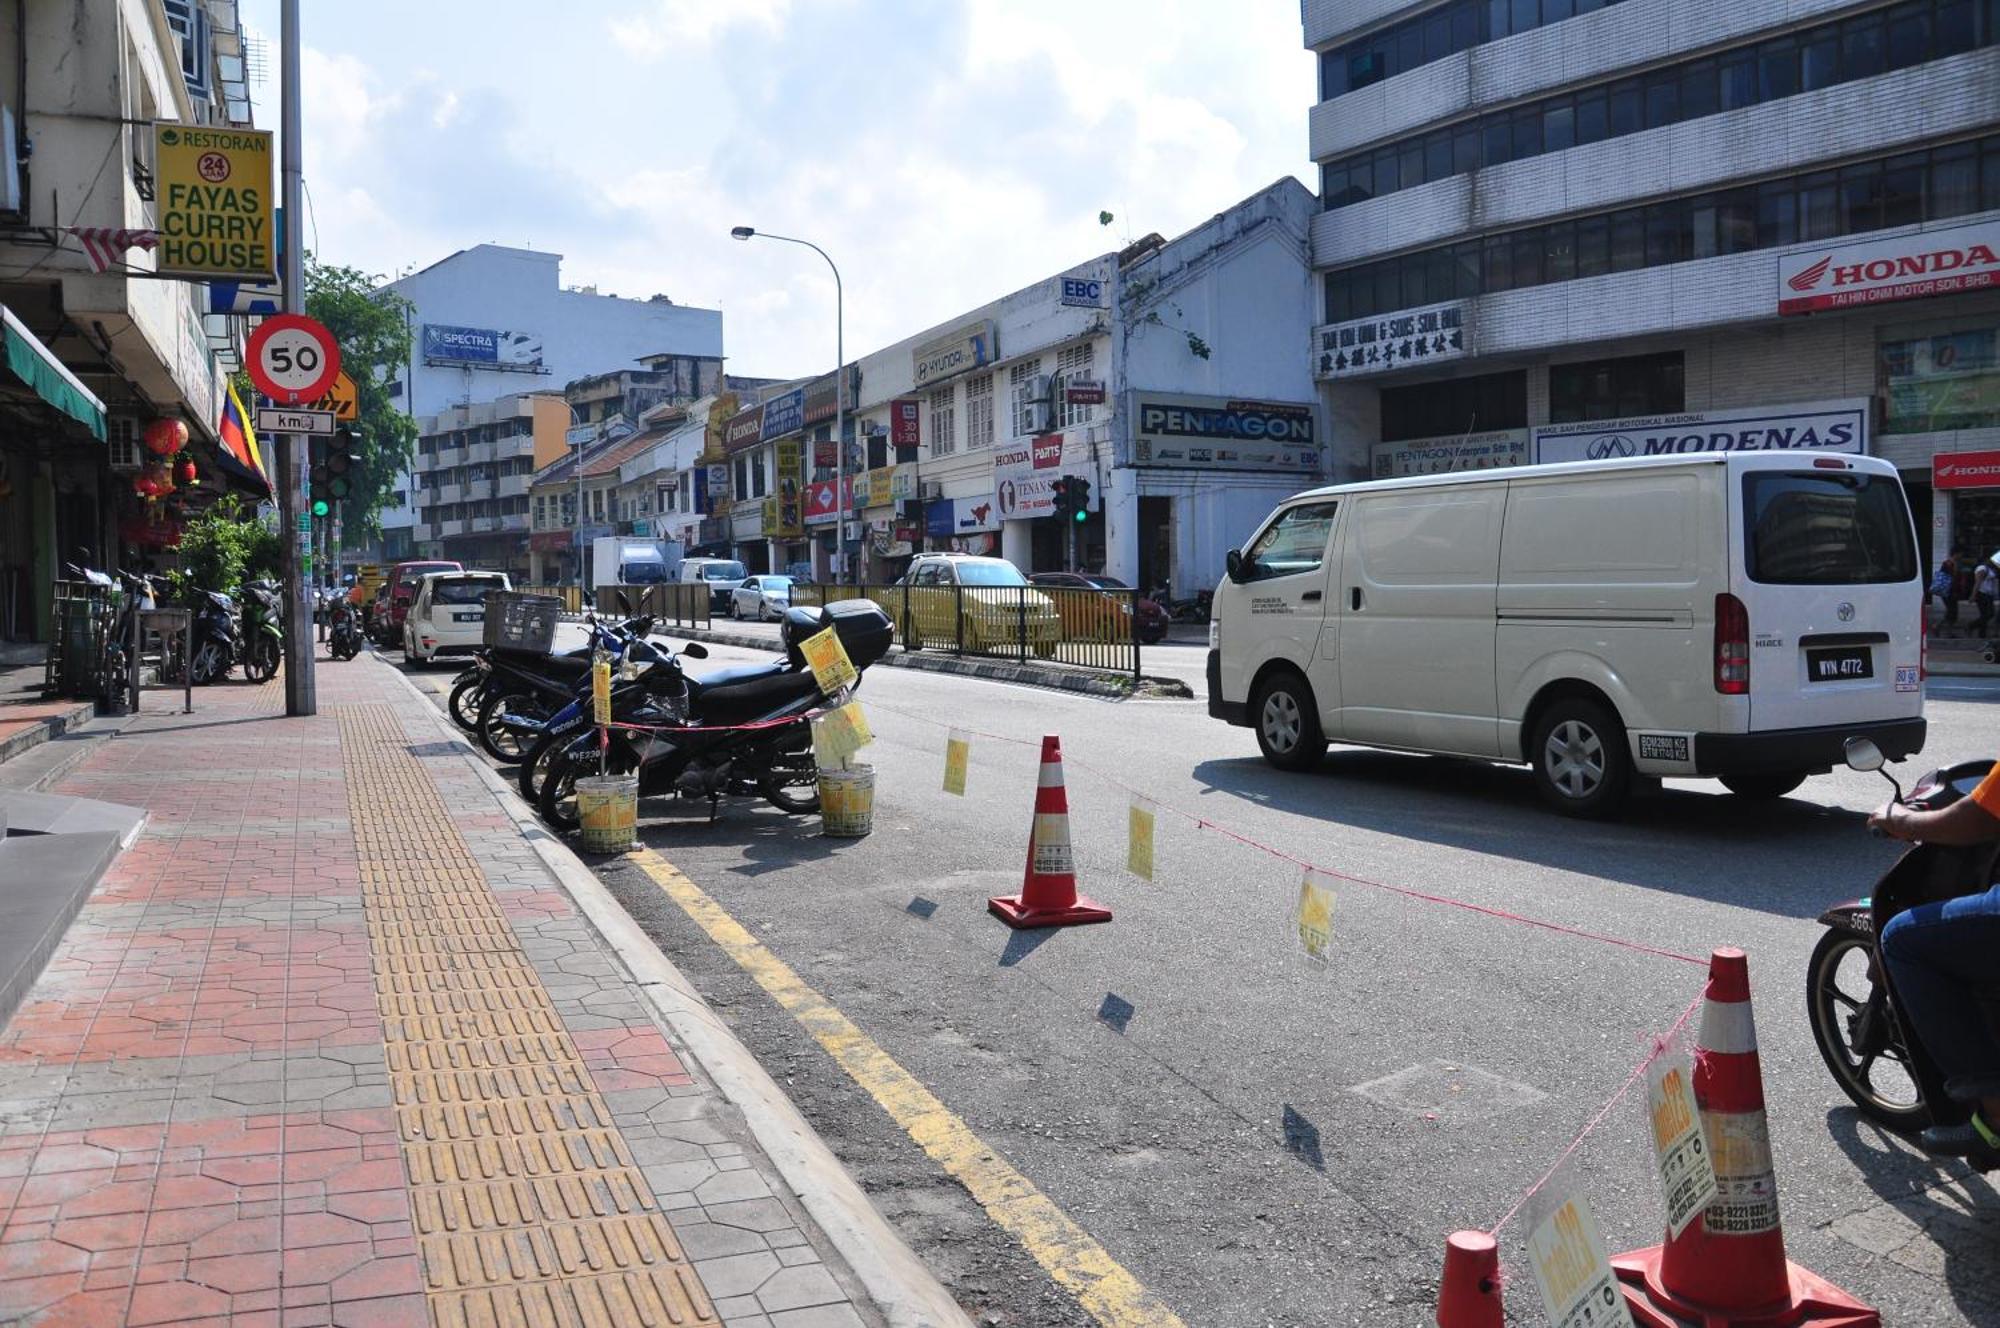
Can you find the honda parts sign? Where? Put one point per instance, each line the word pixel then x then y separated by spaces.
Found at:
pixel 1819 426
pixel 1909 267
pixel 1966 470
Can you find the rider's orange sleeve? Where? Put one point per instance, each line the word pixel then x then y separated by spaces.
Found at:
pixel 1987 795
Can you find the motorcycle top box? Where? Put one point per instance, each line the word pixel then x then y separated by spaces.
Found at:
pixel 865 631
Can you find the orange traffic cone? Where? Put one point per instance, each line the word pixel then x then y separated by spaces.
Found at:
pixel 1048 895
pixel 1470 1294
pixel 1728 1269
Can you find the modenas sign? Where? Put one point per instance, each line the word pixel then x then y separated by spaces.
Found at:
pixel 956 351
pixel 1820 426
pixel 1909 267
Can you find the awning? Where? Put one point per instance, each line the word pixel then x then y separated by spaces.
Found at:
pixel 36 365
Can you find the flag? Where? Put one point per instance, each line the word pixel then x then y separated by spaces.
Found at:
pixel 239 441
pixel 105 246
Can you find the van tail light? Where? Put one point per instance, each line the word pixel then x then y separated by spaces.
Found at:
pixel 1732 646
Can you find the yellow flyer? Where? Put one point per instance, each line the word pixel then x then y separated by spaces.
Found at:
pixel 600 691
pixel 1567 1255
pixel 839 734
pixel 957 750
pixel 831 667
pixel 1139 823
pixel 1315 916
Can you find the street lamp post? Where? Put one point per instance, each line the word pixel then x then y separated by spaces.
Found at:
pixel 839 389
pixel 581 444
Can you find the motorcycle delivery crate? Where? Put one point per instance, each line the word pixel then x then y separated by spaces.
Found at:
pixel 865 631
pixel 519 621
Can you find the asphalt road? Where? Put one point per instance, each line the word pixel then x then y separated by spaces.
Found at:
pixel 1257 1138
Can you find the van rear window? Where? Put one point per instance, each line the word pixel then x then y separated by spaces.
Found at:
pixel 1826 528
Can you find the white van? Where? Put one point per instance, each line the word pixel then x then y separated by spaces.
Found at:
pixel 1735 615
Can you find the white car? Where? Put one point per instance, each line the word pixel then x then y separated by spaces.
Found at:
pixel 448 616
pixel 761 598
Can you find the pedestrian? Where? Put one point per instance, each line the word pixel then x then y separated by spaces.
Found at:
pixel 1945 585
pixel 1985 582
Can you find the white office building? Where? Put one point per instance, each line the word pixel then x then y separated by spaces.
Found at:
pixel 493 322
pixel 1580 228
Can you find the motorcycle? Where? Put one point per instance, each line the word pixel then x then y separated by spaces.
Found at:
pixel 1856 1020
pixel 528 684
pixel 343 633
pixel 263 633
pixel 214 647
pixel 741 732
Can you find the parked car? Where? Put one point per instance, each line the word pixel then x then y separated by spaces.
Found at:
pixel 720 575
pixel 982 605
pixel 392 605
pixel 761 597
pixel 1733 615
pixel 1085 620
pixel 448 615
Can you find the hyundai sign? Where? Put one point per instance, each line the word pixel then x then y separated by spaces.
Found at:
pixel 1909 267
pixel 1820 426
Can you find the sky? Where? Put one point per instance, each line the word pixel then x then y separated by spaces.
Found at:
pixel 943 152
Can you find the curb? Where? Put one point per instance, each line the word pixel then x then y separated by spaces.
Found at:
pixel 906 1292
pixel 45 728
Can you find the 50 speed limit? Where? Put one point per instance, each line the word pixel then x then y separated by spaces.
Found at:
pixel 293 358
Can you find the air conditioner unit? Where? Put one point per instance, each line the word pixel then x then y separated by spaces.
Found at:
pixel 121 440
pixel 1039 387
pixel 1036 415
pixel 933 490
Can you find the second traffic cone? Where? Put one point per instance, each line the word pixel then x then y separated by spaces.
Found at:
pixel 1048 895
pixel 1469 1296
pixel 1727 1268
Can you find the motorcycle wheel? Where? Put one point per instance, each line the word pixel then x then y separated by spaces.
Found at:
pixel 502 743
pixel 261 664
pixel 535 764
pixel 207 665
pixel 1856 1034
pixel 556 799
pixel 792 784
pixel 465 703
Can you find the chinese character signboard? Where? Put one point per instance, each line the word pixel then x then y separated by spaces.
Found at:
pixel 1431 335
pixel 216 209
pixel 785 414
pixel 790 515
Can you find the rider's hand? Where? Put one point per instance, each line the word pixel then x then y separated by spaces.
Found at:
pixel 1882 821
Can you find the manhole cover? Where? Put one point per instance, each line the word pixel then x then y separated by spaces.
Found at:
pixel 1449 1090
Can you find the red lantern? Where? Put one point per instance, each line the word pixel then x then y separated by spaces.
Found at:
pixel 166 437
pixel 142 484
pixel 185 472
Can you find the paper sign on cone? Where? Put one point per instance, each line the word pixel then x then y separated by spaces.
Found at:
pixel 1680 1148
pixel 1573 1271
pixel 957 750
pixel 1315 916
pixel 1139 823
pixel 839 734
pixel 827 658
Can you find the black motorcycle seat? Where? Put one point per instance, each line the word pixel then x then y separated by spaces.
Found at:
pixel 533 661
pixel 741 673
pixel 740 702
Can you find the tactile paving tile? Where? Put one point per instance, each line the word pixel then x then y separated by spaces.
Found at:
pixel 527 1207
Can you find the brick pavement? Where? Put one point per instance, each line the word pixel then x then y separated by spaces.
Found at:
pixel 329 1045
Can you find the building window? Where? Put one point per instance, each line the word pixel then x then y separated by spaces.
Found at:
pixel 757 475
pixel 1072 362
pixel 541 512
pixel 742 486
pixel 979 411
pixel 944 421
pixel 1028 417
pixel 1946 381
pixel 1823 205
pixel 1478 404
pixel 1444 31
pixel 1818 57
pixel 1617 389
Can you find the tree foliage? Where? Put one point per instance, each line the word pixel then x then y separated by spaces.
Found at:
pixel 224 547
pixel 372 326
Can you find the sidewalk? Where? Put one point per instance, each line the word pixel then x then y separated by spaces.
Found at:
pixel 342 1040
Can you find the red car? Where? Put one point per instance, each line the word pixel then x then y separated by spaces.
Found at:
pixel 397 593
pixel 1152 618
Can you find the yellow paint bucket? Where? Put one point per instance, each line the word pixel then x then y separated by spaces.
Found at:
pixel 607 809
pixel 847 802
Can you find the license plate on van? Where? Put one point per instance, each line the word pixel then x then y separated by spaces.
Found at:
pixel 476 615
pixel 1844 664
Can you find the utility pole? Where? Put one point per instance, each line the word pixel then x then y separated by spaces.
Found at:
pixel 294 514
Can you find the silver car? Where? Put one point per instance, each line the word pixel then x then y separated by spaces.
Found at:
pixel 761 598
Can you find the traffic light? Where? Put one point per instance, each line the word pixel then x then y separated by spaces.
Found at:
pixel 1060 490
pixel 1078 493
pixel 340 463
pixel 319 507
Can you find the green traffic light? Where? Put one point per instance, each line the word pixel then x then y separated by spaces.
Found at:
pixel 1082 516
pixel 319 507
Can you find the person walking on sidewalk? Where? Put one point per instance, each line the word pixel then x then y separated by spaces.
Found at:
pixel 1985 582
pixel 1945 588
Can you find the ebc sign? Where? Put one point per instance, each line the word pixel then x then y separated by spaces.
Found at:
pixel 1824 426
pixel 1083 292
pixel 1909 267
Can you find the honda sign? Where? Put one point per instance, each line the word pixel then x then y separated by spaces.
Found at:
pixel 1909 267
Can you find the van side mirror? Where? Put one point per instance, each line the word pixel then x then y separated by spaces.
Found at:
pixel 1235 565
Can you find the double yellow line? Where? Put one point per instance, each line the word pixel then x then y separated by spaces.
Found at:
pixel 1100 1283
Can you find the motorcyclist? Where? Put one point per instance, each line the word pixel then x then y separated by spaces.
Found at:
pixel 1941 956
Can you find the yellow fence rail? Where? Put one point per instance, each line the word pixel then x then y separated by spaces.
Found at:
pixel 1091 629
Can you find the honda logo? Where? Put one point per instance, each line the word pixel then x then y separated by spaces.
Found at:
pixel 1810 278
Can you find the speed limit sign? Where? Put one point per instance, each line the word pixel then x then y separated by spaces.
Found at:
pixel 292 359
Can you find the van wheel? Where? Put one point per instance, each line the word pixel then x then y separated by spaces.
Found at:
pixel 1581 765
pixel 1287 717
pixel 1764 788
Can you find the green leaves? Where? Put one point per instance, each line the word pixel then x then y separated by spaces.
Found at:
pixel 372 325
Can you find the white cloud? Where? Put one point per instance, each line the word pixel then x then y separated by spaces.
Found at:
pixel 674 26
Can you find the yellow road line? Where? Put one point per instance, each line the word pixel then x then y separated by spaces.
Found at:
pixel 1100 1283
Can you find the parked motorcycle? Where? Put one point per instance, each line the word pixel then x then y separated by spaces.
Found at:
pixel 213 647
pixel 263 632
pixel 740 732
pixel 530 684
pixel 1856 1019
pixel 343 631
